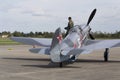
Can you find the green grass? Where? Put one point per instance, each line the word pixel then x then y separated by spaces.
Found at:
pixel 7 41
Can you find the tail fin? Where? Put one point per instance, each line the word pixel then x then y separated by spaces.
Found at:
pixel 57 38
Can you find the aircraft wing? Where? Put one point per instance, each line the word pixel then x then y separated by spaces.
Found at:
pixel 45 42
pixel 101 44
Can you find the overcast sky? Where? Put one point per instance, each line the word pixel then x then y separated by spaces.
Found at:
pixel 47 15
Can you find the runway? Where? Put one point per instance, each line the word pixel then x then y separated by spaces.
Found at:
pixel 17 63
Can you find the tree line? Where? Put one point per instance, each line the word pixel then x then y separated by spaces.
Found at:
pixel 30 34
pixel 104 35
pixel 98 35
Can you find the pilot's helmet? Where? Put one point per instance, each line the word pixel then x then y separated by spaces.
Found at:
pixel 69 18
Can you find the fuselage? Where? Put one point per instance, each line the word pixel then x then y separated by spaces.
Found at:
pixel 75 39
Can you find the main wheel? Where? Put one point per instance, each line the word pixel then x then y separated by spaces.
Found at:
pixel 61 65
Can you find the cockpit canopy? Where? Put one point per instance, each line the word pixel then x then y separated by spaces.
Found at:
pixel 76 28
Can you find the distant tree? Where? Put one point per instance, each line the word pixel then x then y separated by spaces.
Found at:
pixel 31 34
pixel 17 34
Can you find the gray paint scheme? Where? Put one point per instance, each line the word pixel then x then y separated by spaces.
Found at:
pixel 74 44
pixel 40 50
pixel 46 42
pixel 61 51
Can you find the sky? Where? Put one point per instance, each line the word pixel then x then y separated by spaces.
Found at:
pixel 48 15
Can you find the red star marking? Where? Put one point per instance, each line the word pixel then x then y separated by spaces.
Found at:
pixel 75 46
pixel 59 38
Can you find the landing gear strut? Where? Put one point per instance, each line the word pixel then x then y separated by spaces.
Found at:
pixel 60 64
pixel 106 54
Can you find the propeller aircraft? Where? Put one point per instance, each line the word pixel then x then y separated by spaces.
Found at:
pixel 69 48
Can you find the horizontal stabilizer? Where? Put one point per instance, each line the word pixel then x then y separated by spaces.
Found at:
pixel 72 52
pixel 40 50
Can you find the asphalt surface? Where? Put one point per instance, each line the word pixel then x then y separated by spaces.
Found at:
pixel 17 63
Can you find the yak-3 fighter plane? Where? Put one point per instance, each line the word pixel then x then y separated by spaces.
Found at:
pixel 69 48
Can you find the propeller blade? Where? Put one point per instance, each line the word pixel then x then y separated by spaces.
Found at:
pixel 91 16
